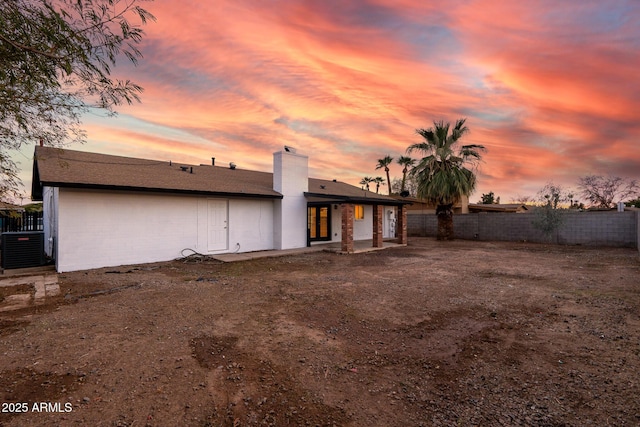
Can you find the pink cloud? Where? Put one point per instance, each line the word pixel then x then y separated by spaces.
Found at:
pixel 550 90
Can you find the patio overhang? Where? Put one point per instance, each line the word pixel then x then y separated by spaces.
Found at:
pixel 348 204
pixel 319 198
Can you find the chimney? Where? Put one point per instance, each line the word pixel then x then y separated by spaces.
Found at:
pixel 291 179
pixel 290 172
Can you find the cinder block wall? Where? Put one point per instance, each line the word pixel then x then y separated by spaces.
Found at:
pixel 421 225
pixel 600 228
pixel 509 227
pixel 638 229
pixel 578 228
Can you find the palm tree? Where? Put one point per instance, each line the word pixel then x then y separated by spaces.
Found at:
pixel 379 181
pixel 406 162
pixel 365 182
pixel 442 176
pixel 384 163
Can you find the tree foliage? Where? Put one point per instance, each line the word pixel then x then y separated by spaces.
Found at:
pixel 56 60
pixel 410 185
pixel 488 198
pixel 8 174
pixel 553 195
pixel 442 174
pixel 523 199
pixel 407 163
pixel 548 220
pixel 384 163
pixel 365 182
pixel 378 180
pixel 633 203
pixel 549 216
pixel 605 191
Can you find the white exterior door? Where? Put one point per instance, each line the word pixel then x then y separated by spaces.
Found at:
pixel 217 232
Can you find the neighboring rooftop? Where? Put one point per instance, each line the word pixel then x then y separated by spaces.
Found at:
pixel 494 207
pixel 10 207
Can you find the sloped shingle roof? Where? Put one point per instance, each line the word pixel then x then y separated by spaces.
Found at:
pixel 321 189
pixel 76 169
pixel 69 168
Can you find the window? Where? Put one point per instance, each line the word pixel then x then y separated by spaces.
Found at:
pixel 358 212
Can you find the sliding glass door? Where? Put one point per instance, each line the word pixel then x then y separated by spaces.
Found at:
pixel 319 223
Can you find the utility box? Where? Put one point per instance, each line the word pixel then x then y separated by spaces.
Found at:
pixel 22 249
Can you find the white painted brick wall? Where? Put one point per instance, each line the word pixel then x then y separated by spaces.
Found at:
pixel 108 228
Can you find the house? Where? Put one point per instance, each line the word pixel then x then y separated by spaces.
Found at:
pixel 102 210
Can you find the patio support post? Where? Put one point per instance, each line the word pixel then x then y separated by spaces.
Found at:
pixel 377 226
pixel 347 227
pixel 402 224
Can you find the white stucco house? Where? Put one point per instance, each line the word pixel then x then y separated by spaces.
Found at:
pixel 102 210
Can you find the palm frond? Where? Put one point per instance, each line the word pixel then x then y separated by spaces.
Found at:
pixel 419 146
pixel 384 162
pixel 440 174
pixel 472 152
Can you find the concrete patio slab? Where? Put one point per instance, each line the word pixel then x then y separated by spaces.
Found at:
pixel 359 247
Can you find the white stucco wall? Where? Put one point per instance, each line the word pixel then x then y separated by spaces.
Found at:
pixel 250 225
pixel 290 223
pixel 291 179
pixel 362 229
pixel 109 228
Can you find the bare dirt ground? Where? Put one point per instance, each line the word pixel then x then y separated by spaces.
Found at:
pixel 433 334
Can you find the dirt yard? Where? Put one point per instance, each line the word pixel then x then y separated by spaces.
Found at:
pixel 433 334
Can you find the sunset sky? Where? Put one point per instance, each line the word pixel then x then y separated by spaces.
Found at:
pixel 550 87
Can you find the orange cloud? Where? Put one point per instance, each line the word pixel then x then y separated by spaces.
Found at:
pixel 549 88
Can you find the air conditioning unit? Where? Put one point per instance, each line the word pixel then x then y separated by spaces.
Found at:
pixel 22 250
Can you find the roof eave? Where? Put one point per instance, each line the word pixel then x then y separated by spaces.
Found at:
pixel 159 190
pixel 361 200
